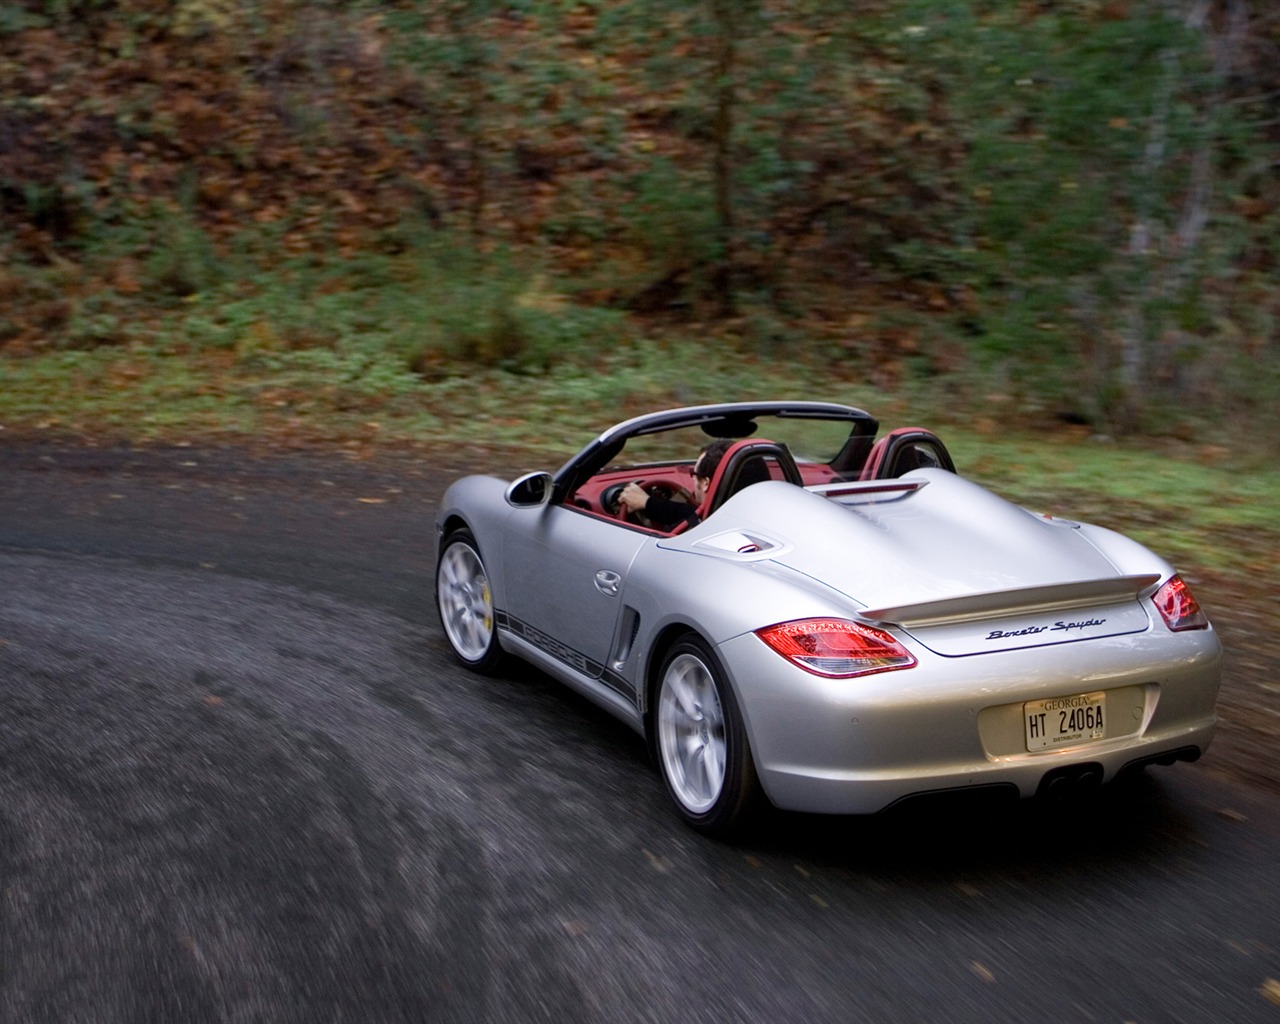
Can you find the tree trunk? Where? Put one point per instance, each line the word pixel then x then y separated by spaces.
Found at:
pixel 726 23
pixel 1163 266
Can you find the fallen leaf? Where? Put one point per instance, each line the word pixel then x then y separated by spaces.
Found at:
pixel 372 501
pixel 983 972
pixel 1271 990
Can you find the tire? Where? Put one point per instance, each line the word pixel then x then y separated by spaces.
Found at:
pixel 700 742
pixel 465 603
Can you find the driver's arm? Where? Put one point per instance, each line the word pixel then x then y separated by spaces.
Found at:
pixel 634 497
pixel 663 511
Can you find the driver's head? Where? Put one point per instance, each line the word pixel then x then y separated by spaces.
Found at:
pixel 705 468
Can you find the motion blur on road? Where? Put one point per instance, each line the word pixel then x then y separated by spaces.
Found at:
pixel 241 779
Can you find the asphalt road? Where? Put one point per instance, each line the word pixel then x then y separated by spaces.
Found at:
pixel 242 780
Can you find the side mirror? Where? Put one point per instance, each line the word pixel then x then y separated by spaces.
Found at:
pixel 530 491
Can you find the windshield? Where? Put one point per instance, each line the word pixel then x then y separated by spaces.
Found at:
pixel 809 440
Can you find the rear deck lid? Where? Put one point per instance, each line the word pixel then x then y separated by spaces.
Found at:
pixel 961 569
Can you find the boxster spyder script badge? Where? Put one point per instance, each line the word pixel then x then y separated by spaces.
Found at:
pixel 1001 634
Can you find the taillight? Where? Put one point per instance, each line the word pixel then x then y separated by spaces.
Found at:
pixel 1178 607
pixel 836 647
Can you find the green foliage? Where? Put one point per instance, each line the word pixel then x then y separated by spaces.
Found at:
pixel 97 320
pixel 1052 202
pixel 430 312
pixel 1067 218
pixel 668 218
pixel 17 18
pixel 182 261
pixel 198 17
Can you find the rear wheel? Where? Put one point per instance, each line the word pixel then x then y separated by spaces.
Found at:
pixel 702 748
pixel 465 603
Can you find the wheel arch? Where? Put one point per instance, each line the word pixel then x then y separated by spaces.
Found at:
pixel 667 637
pixel 450 525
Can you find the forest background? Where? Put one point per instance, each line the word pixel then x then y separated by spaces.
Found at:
pixel 266 213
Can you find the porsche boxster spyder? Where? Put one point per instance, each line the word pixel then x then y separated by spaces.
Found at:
pixel 841 621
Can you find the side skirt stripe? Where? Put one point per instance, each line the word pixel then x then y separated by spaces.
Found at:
pixel 565 654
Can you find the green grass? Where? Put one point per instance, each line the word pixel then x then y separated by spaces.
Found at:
pixel 1200 505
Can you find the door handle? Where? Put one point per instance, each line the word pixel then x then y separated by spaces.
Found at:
pixel 607 582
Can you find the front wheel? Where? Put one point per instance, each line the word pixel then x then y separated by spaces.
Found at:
pixel 465 603
pixel 701 743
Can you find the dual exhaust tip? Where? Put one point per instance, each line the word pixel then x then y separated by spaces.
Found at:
pixel 1074 779
pixel 1071 780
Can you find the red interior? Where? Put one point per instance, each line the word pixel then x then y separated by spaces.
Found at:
pixel 673 477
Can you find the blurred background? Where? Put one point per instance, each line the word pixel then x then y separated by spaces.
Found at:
pixel 1029 212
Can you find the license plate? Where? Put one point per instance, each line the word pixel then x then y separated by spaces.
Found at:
pixel 1064 721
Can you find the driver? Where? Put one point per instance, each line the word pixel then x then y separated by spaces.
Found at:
pixel 668 513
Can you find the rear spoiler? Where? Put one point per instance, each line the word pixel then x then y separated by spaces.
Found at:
pixel 1110 590
pixel 866 488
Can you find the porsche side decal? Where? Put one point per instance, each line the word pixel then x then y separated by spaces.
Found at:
pixel 565 654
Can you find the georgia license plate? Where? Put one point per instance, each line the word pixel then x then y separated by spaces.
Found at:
pixel 1063 721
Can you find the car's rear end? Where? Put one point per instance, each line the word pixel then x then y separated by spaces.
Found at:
pixel 1081 711
pixel 970 643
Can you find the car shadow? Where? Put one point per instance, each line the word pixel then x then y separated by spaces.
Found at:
pixel 1133 817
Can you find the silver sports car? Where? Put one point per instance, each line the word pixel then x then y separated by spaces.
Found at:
pixel 833 622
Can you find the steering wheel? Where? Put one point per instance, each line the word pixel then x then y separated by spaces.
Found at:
pixel 609 501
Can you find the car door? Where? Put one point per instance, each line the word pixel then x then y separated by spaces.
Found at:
pixel 565 572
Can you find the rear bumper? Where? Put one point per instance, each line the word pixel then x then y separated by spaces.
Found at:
pixel 857 746
pixel 856 793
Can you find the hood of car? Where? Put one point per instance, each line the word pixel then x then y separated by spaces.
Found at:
pixel 958 566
